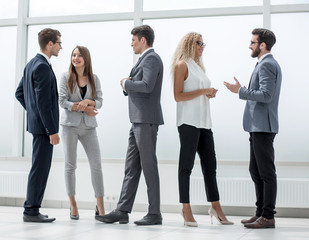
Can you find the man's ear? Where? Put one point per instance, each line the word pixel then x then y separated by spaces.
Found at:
pixel 143 39
pixel 263 46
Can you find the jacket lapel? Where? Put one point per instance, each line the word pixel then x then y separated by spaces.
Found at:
pixel 139 61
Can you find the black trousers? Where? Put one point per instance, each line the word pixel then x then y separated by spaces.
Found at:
pixel 263 172
pixel 42 152
pixel 197 140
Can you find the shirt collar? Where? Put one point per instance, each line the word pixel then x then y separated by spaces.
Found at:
pixel 262 57
pixel 146 51
pixel 47 58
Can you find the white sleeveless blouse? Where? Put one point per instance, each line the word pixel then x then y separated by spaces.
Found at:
pixel 195 112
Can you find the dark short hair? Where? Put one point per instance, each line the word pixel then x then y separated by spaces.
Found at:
pixel 46 35
pixel 144 31
pixel 266 36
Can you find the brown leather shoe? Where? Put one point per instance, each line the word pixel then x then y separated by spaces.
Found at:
pixel 261 222
pixel 251 220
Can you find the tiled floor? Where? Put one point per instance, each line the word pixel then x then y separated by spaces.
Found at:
pixel 12 227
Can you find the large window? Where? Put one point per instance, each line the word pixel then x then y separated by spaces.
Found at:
pixel 276 2
pixel 44 8
pixel 7 81
pixel 151 5
pixel 8 9
pixel 226 55
pixel 226 29
pixel 292 31
pixel 109 45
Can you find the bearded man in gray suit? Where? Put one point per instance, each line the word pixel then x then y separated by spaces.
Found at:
pixel 143 88
pixel 261 121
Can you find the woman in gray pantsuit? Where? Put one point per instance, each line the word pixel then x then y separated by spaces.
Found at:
pixel 80 96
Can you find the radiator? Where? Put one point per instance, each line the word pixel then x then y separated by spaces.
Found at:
pixel 241 192
pixel 13 184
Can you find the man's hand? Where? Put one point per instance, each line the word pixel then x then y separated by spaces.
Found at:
pixel 122 81
pixel 233 87
pixel 54 139
pixel 91 111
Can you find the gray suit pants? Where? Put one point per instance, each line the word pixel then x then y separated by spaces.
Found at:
pixel 141 155
pixel 89 139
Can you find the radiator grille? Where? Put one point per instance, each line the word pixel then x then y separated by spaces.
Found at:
pixel 241 192
pixel 13 184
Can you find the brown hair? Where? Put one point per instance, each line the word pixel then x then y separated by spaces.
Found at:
pixel 46 35
pixel 72 78
pixel 266 36
pixel 146 32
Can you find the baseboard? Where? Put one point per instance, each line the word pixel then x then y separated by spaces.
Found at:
pixel 175 208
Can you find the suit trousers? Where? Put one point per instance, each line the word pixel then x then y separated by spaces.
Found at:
pixel 42 152
pixel 89 140
pixel 197 140
pixel 141 155
pixel 263 172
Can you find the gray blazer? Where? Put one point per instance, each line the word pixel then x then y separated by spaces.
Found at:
pixel 67 100
pixel 144 90
pixel 262 95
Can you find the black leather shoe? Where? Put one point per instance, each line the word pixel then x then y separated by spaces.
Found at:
pixel 114 216
pixel 150 219
pixel 38 218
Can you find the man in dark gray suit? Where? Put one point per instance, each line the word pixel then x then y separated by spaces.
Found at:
pixel 37 93
pixel 143 87
pixel 261 121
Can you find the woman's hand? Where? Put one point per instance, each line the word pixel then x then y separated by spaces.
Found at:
pixel 91 111
pixel 211 92
pixel 82 105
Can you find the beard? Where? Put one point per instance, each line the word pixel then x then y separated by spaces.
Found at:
pixel 256 52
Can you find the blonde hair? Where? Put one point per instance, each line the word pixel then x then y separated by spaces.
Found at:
pixel 186 50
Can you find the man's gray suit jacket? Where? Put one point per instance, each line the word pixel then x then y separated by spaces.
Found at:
pixel 262 95
pixel 144 90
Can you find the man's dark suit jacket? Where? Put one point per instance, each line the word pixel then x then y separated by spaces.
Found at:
pixel 37 93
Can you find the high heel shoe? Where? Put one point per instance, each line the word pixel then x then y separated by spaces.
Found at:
pixel 189 224
pixel 213 213
pixel 74 217
pixel 97 213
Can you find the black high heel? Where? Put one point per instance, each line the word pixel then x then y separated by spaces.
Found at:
pixel 97 213
pixel 74 217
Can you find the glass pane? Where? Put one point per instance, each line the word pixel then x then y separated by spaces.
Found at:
pixel 292 55
pixel 277 2
pixel 112 60
pixel 76 7
pixel 8 9
pixel 226 55
pixel 150 5
pixel 7 96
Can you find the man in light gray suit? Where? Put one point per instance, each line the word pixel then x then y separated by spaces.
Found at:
pixel 143 87
pixel 261 121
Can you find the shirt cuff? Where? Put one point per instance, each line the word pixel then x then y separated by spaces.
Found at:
pixel 123 84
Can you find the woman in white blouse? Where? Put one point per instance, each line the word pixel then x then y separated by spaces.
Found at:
pixel 192 92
